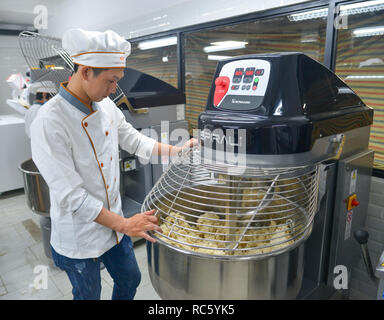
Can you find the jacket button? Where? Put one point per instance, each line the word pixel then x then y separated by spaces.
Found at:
pixel 86 124
pixel 111 158
pixel 102 164
pixel 106 133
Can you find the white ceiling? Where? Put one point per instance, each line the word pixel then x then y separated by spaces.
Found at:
pixel 130 18
pixel 21 11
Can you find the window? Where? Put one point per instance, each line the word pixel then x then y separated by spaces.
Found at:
pixel 360 63
pixel 156 57
pixel 303 32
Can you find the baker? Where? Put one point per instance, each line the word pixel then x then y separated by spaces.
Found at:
pixel 75 142
pixel 43 91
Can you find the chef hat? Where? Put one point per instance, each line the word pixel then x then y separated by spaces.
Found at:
pixel 96 49
pixel 43 86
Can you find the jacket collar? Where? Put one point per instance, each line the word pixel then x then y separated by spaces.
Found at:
pixel 75 100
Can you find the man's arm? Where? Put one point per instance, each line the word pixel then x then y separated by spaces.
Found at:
pixel 134 142
pixel 135 226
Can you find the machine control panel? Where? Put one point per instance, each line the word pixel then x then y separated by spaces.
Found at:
pixel 241 84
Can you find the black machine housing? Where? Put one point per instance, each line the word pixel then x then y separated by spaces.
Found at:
pixel 285 101
pixel 145 91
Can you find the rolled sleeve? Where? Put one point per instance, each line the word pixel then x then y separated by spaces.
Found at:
pixel 132 140
pixel 89 208
pixel 145 147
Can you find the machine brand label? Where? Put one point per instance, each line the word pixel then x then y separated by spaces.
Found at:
pixel 229 147
pixel 241 101
pixel 218 137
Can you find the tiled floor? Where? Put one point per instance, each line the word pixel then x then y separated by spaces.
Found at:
pixel 23 261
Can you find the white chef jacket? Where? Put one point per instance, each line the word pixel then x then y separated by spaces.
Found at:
pixel 30 115
pixel 76 151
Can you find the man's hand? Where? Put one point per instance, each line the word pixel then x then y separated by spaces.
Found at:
pixel 168 150
pixel 137 225
pixel 190 144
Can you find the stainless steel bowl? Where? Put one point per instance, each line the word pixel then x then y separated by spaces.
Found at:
pixel 36 189
pixel 179 274
pixel 199 258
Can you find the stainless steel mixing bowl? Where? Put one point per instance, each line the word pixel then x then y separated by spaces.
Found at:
pixel 230 236
pixel 36 189
pixel 179 274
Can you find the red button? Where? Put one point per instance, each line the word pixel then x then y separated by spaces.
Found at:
pixel 254 87
pixel 106 133
pixel 355 203
pixel 86 124
pixel 222 85
pixel 102 164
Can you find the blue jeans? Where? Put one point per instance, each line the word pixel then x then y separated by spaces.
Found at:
pixel 84 274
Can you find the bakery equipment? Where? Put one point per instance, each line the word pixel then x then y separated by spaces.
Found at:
pixel 48 62
pixel 15 147
pixel 38 201
pixel 265 208
pixel 45 57
pixel 36 189
pixel 377 275
pixel 19 86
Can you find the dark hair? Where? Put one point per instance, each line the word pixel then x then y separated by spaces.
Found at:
pixel 40 95
pixel 96 71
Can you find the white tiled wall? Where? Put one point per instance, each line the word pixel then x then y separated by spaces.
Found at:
pixel 361 285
